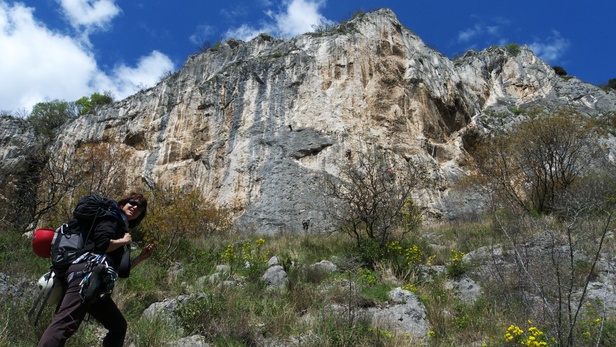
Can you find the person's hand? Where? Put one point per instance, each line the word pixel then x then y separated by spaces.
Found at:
pixel 147 251
pixel 126 239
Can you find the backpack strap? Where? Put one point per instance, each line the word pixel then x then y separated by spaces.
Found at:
pixel 38 299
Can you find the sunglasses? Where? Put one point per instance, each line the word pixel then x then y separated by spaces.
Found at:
pixel 135 203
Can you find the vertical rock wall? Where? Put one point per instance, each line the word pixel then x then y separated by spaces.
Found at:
pixel 256 125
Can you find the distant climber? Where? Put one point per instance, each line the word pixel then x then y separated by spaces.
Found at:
pixel 305 224
pixel 290 127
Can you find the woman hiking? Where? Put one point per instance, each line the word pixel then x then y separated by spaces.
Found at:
pixel 109 238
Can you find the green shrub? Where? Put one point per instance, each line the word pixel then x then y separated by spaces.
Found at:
pixel 513 49
pixel 456 265
pixel 247 258
pixel 559 71
pixel 403 258
pixel 378 292
pixel 369 251
pixel 179 215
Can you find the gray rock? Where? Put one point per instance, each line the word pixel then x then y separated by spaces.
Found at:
pixel 7 289
pixel 465 288
pixel 406 315
pixel 604 293
pixel 325 266
pixel 190 341
pixel 166 310
pixel 273 261
pixel 275 277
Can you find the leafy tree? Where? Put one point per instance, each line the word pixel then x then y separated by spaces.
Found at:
pixel 539 159
pixel 373 197
pixel 46 117
pixel 612 83
pixel 93 102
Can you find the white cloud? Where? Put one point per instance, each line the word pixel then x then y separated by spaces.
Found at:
pixel 201 33
pixel 468 34
pixel 297 17
pixel 552 48
pixel 246 32
pixel 127 80
pixel 300 17
pixel 493 30
pixel 479 31
pixel 89 14
pixel 44 65
pixel 549 49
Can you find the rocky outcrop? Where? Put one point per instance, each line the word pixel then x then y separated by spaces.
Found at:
pixel 16 138
pixel 18 146
pixel 257 125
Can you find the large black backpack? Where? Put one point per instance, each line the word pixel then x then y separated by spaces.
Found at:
pixel 71 239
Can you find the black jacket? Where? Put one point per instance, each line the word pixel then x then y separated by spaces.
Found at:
pixel 106 230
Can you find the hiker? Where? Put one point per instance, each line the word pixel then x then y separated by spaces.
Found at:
pixel 109 236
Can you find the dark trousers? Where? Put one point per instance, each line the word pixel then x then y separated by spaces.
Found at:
pixel 72 311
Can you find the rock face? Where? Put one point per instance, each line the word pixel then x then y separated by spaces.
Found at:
pixel 15 140
pixel 257 125
pixel 17 148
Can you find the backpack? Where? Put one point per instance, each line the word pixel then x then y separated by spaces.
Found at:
pixel 67 245
pixel 70 240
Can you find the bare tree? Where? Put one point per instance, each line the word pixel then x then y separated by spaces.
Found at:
pixel 373 195
pixel 541 158
pixel 557 260
pixel 550 167
pixel 57 178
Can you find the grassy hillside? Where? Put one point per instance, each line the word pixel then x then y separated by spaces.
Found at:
pixel 244 313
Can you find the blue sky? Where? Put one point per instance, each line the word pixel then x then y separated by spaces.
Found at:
pixel 66 49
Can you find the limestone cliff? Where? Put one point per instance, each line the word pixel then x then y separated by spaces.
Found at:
pixel 255 125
